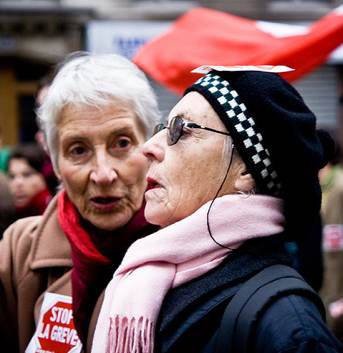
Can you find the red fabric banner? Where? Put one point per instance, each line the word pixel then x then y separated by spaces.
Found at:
pixel 208 37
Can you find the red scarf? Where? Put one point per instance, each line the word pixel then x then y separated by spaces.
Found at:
pixel 92 270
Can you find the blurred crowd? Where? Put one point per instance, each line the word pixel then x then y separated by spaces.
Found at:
pixel 331 179
pixel 27 182
pixel 27 178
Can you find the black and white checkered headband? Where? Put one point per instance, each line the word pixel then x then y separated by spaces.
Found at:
pixel 241 125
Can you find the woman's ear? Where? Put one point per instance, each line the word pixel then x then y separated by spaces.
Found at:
pixel 244 182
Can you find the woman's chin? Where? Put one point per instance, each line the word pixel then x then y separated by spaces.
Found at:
pixel 22 203
pixel 158 208
pixel 109 221
pixel 153 214
pixel 152 219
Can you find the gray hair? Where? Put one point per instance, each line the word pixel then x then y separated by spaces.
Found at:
pixel 94 80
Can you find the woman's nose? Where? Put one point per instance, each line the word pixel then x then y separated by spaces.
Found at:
pixel 104 171
pixel 153 149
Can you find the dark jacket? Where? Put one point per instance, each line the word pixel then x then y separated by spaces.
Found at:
pixel 191 313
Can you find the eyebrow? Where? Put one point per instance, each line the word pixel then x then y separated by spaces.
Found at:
pixel 124 130
pixel 183 116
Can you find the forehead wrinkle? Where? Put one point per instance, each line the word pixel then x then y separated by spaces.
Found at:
pixel 191 116
pixel 194 107
pixel 74 125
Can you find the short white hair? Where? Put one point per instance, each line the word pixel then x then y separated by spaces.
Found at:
pixel 94 80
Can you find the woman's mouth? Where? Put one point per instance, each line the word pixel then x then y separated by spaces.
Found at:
pixel 21 198
pixel 152 184
pixel 105 203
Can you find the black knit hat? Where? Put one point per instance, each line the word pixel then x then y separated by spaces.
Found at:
pixel 275 134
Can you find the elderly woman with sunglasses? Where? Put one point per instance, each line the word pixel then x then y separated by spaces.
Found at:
pixel 232 175
pixel 97 113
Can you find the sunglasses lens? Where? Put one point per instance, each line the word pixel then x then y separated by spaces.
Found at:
pixel 175 130
pixel 158 128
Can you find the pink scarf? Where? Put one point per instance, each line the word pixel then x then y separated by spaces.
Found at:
pixel 170 257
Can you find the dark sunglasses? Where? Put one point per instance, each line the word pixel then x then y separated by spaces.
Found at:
pixel 176 126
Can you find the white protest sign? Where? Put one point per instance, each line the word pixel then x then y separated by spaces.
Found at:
pixel 55 332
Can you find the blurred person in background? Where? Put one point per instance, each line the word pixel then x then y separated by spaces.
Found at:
pixel 4 154
pixel 27 180
pixel 97 113
pixel 7 206
pixel 331 179
pixel 50 177
pixel 42 90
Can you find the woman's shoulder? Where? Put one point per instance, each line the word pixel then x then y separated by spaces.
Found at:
pixel 200 302
pixel 20 233
pixel 28 225
pixel 293 323
pixel 15 248
pixel 22 238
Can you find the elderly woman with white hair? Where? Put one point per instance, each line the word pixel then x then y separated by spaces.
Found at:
pixel 233 175
pixel 97 113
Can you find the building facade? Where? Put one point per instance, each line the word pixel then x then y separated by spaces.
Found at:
pixel 37 34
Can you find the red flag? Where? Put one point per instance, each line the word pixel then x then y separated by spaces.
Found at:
pixel 208 37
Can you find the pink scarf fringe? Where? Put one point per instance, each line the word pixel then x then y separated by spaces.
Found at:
pixel 130 335
pixel 173 256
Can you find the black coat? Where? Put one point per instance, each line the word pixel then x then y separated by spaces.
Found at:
pixel 191 313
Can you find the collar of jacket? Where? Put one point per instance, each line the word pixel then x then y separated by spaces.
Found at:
pixel 50 246
pixel 243 263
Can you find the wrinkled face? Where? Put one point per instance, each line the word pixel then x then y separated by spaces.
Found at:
pixel 100 163
pixel 25 181
pixel 186 175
